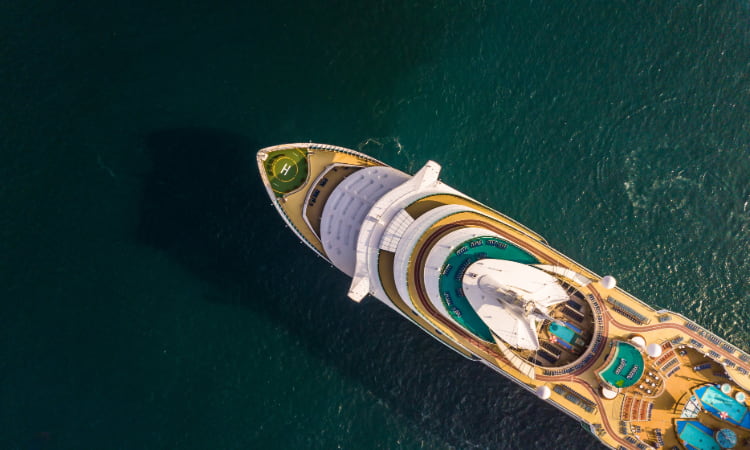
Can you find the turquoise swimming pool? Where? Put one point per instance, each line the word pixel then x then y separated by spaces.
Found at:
pixel 716 402
pixel 697 435
pixel 563 332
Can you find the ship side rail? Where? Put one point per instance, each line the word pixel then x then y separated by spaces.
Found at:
pixel 627 311
pixel 690 325
pixel 575 398
pixel 726 364
pixel 558 405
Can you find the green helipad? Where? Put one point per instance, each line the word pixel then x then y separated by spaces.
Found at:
pixel 286 170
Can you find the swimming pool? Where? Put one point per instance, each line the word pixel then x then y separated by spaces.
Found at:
pixel 563 332
pixel 716 402
pixel 624 367
pixel 697 435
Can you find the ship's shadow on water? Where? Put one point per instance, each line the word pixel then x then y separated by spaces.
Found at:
pixel 204 205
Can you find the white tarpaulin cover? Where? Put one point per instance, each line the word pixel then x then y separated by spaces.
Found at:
pixel 511 297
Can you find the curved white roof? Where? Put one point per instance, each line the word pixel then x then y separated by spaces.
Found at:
pixel 570 274
pixel 346 209
pixel 436 259
pixel 388 208
pixel 511 297
pixel 410 238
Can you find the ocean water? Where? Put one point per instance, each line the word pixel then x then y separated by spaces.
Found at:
pixel 152 299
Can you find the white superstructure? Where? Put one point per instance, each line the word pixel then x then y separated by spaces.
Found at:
pixel 511 298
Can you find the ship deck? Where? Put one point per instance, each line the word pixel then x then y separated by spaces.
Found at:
pixel 300 176
pixel 642 414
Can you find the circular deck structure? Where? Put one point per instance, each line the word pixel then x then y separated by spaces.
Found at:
pixel 286 169
pixel 452 273
pixel 623 367
pixel 726 438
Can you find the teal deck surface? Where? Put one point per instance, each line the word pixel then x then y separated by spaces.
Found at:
pixel 452 273
pixel 625 368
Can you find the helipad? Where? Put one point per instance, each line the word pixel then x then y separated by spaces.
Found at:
pixel 286 169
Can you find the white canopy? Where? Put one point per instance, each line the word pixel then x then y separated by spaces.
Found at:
pixel 607 393
pixel 639 341
pixel 653 350
pixel 543 392
pixel 609 282
pixel 511 297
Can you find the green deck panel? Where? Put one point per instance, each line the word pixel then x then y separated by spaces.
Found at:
pixel 630 358
pixel 451 278
pixel 286 170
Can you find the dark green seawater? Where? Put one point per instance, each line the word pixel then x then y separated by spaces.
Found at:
pixel 152 299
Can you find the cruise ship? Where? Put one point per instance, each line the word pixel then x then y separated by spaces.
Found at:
pixel 496 292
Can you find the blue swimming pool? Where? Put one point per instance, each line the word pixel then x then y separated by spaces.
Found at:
pixel 716 402
pixel 697 435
